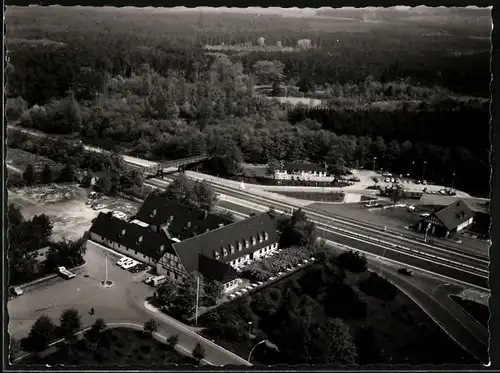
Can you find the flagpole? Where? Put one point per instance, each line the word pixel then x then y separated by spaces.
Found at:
pixel 106 276
pixel 197 298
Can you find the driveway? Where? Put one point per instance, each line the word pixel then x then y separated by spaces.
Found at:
pixel 120 303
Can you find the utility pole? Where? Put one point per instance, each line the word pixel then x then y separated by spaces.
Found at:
pixel 374 163
pixel 452 181
pixel 423 170
pixel 106 274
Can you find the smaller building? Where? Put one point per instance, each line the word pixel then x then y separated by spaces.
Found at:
pixel 448 220
pixel 301 171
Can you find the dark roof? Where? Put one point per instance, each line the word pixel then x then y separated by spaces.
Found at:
pixel 215 240
pixel 185 220
pixel 454 214
pixel 213 269
pixel 289 166
pixel 127 234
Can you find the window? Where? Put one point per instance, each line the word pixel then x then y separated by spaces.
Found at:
pixel 224 251
pixel 246 243
pixel 216 255
pixel 231 249
pixel 240 246
pixel 254 241
pixel 266 236
pixel 135 252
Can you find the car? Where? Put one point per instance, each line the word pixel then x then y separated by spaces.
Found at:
pixel 122 260
pixel 405 271
pixel 260 283
pixel 100 206
pixel 65 273
pixel 280 273
pixel 271 278
pixel 237 293
pixel 129 265
pixel 134 269
pixel 16 291
pixel 231 296
pixel 138 268
pixel 147 280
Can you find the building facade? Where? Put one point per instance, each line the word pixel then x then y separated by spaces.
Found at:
pixel 301 171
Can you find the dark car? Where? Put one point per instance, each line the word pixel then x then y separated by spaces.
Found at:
pixel 138 268
pixel 405 271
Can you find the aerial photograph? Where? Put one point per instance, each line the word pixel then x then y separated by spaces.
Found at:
pixel 247 187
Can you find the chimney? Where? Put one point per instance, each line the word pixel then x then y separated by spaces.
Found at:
pixel 207 230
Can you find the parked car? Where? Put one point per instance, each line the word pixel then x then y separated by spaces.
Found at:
pixel 138 268
pixel 232 296
pixel 63 272
pixel 122 260
pixel 405 271
pixel 129 265
pixel 16 291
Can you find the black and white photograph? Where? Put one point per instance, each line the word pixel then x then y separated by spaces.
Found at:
pixel 247 187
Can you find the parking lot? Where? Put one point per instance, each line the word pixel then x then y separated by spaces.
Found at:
pixel 123 302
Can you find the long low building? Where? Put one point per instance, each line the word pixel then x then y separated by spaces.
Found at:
pixel 177 240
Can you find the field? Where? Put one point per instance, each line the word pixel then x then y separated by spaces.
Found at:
pixel 315 196
pixel 117 346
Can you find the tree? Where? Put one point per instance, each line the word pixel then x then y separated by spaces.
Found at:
pixel 41 334
pixel 38 231
pixel 297 230
pixel 70 322
pixel 180 190
pixel 46 176
pixel 68 174
pixel 213 292
pixel 198 352
pixel 167 292
pixel 66 253
pixel 150 326
pixel 98 326
pixel 185 301
pixel 29 175
pixel 172 341
pixel 352 261
pixel 15 217
pixel 341 347
pixel 204 195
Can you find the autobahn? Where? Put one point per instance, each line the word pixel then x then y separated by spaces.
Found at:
pixel 464 266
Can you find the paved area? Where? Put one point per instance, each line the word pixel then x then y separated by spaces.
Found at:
pixel 120 303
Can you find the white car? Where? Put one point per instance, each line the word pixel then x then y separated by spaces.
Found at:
pixel 100 206
pixel 260 283
pixel 130 264
pixel 254 286
pixel 148 279
pixel 237 294
pixel 280 273
pixel 271 278
pixel 232 296
pixel 123 260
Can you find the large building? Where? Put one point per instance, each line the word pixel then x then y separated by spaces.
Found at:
pixel 177 240
pixel 301 171
pixel 448 220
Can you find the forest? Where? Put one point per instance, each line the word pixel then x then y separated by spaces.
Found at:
pixel 143 83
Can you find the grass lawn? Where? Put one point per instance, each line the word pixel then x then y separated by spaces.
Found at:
pixel 116 346
pixel 315 196
pixel 20 159
pixel 393 330
pixel 478 311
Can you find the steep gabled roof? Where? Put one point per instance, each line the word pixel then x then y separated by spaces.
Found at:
pixel 454 214
pixel 182 221
pixel 152 244
pixel 214 270
pixel 207 243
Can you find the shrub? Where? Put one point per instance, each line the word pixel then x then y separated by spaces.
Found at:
pixel 353 261
pixel 378 287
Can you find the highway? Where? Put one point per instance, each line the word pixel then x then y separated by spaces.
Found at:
pixel 453 262
pixel 467 268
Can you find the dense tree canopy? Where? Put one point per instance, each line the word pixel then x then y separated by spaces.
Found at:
pixel 148 85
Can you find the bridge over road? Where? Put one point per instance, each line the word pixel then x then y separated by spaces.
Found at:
pixel 157 169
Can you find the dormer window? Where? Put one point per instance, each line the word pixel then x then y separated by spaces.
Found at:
pixel 139 240
pixel 231 249
pixel 153 213
pixel 224 251
pixel 254 241
pixel 216 254
pixel 188 224
pixel 122 233
pixel 261 237
pixel 266 236
pixel 170 218
pixel 246 243
pixel 240 246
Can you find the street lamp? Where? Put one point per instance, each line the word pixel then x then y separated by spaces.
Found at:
pixel 452 180
pixel 250 328
pixel 374 163
pixel 268 344
pixel 423 170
